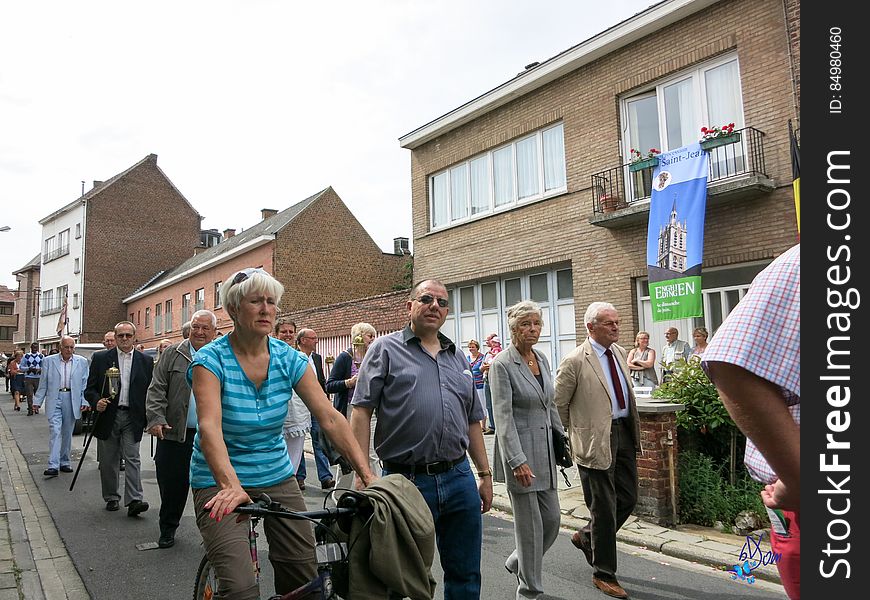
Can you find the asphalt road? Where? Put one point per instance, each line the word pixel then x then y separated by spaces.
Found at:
pixel 107 548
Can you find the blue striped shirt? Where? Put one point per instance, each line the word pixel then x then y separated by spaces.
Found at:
pixel 251 419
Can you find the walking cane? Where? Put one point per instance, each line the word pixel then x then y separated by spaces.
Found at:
pixel 113 377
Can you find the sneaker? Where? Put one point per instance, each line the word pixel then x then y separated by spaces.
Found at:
pixel 489 431
pixel 66 469
pixel 50 472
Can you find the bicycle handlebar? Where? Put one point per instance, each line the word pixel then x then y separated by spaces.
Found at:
pixel 256 509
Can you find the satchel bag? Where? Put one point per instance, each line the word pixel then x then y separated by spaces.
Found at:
pixel 562 449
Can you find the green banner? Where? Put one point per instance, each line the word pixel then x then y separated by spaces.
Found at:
pixel 679 298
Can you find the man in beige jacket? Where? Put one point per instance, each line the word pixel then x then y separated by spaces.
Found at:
pixel 596 403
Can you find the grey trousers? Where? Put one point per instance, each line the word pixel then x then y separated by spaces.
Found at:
pixel 536 527
pixel 121 443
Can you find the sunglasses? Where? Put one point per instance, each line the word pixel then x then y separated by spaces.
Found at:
pixel 245 273
pixel 428 299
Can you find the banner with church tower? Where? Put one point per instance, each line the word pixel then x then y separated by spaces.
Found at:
pixel 675 239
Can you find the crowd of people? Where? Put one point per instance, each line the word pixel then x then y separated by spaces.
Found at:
pixel 230 413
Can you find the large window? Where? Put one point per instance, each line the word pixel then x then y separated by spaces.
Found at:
pixel 6 333
pixel 670 114
pixel 158 318
pixel 476 310
pixel 168 316
pixel 527 169
pixel 185 308
pixel 199 300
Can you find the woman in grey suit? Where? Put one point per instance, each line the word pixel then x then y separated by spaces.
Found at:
pixel 525 415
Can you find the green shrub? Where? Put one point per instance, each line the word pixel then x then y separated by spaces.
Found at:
pixel 707 497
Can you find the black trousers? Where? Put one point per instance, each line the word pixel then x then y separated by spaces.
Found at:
pixel 611 496
pixel 172 460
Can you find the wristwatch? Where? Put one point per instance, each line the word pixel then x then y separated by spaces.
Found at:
pixel 487 473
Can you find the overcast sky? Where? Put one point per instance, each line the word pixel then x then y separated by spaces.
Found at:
pixel 251 104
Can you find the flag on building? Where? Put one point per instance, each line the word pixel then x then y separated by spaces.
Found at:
pixel 795 172
pixel 675 238
pixel 63 319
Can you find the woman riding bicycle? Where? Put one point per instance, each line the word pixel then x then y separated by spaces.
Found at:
pixel 242 383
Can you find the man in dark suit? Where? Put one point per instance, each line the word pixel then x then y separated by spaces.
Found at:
pixel 306 341
pixel 597 406
pixel 121 420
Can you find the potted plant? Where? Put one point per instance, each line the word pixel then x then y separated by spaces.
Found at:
pixel 640 161
pixel 712 137
pixel 610 203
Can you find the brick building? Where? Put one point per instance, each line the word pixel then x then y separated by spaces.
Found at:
pixel 27 303
pixel 534 176
pixel 103 245
pixel 525 171
pixel 315 248
pixel 8 320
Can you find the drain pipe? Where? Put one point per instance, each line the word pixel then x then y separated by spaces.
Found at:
pixel 669 443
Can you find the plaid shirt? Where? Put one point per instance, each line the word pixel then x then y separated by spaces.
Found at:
pixel 763 335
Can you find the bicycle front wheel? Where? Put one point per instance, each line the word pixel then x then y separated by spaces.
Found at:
pixel 206 581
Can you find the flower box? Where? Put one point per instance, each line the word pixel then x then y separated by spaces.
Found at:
pixel 722 140
pixel 646 163
pixel 611 203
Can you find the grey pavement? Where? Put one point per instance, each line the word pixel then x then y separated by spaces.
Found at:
pixel 35 563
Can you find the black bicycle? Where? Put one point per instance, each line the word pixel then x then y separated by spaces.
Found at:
pixel 331 552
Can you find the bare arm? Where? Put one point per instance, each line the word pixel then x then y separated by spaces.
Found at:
pixel 207 390
pixel 649 362
pixel 334 424
pixel 477 451
pixel 757 408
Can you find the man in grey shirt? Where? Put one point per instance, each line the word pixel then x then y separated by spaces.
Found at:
pixel 428 418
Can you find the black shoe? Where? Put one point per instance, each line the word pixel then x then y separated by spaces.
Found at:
pixel 29 411
pixel 136 507
pixel 66 469
pixel 112 505
pixel 50 472
pixel 301 483
pixel 167 540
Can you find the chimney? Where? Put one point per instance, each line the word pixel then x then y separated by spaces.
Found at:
pixel 97 183
pixel 228 233
pixel 268 212
pixel 400 246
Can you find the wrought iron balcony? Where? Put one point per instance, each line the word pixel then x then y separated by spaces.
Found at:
pixel 620 196
pixel 56 253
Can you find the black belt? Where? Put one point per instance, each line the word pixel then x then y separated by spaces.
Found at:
pixel 433 468
pixel 64 390
pixel 620 421
pixel 123 407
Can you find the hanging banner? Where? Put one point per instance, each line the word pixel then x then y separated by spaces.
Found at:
pixel 675 239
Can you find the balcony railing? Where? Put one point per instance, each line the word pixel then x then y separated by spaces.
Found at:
pixel 56 253
pixel 619 188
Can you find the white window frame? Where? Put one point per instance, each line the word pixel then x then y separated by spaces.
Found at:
pixel 542 192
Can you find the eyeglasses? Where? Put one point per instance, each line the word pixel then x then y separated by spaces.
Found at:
pixel 428 299
pixel 123 335
pixel 245 273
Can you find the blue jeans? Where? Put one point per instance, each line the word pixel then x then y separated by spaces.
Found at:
pixel 323 471
pixel 454 501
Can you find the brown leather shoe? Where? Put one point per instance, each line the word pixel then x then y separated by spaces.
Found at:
pixel 611 588
pixel 577 540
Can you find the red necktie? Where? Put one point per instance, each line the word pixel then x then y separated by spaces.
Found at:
pixel 617 382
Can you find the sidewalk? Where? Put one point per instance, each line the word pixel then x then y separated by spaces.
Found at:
pixel 703 545
pixel 34 563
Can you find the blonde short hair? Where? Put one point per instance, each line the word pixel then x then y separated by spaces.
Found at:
pixel 360 329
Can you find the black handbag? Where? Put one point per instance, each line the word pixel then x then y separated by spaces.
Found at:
pixel 562 449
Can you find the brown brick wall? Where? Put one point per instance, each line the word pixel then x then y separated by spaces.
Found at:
pixel 261 256
pixel 653 468
pixel 587 101
pixel 135 228
pixel 326 256
pixel 385 312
